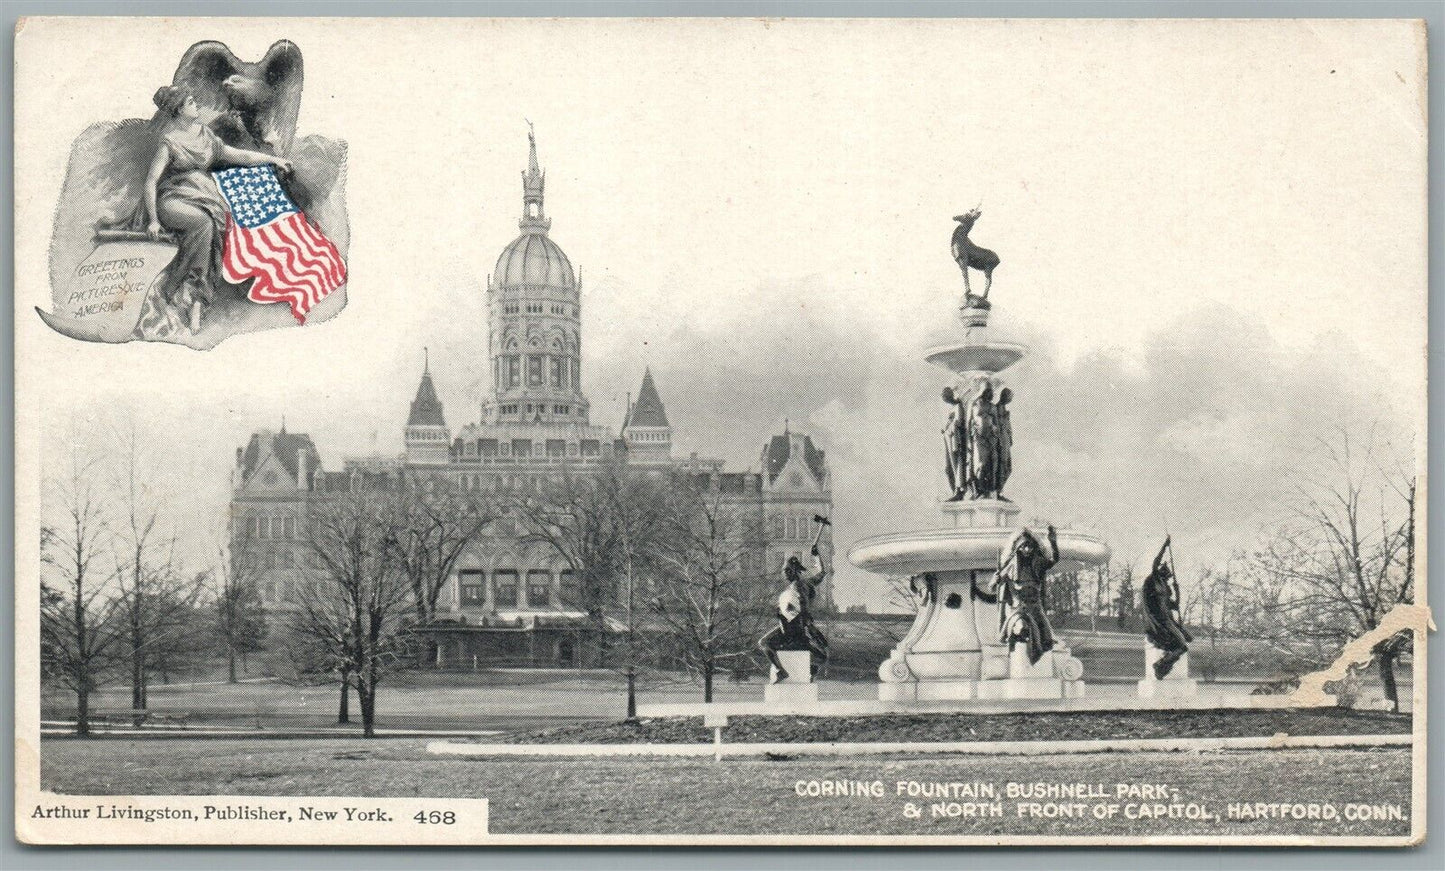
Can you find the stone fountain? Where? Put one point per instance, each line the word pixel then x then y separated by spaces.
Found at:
pixel 956 649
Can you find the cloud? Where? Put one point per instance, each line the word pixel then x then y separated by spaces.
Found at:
pixel 1202 432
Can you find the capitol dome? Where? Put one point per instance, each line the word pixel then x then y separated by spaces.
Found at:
pixel 534 259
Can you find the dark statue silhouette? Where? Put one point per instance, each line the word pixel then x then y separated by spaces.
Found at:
pixel 970 256
pixel 1164 628
pixel 1022 586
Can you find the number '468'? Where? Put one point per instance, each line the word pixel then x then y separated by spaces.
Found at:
pixel 436 818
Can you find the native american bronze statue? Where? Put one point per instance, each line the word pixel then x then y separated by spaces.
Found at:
pixel 795 629
pixel 971 256
pixel 1022 586
pixel 1164 625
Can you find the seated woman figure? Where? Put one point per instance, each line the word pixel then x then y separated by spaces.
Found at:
pixel 180 196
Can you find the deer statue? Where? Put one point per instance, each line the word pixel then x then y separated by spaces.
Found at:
pixel 969 255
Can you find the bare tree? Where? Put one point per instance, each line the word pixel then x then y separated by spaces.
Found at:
pixel 1340 562
pixel 571 514
pixel 81 636
pixel 353 607
pixel 709 602
pixel 437 522
pixel 155 597
pixel 602 523
pixel 240 614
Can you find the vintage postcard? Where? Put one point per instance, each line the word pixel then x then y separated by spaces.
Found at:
pixel 468 432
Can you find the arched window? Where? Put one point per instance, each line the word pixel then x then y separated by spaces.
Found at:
pixel 506 581
pixel 539 588
pixel 473 586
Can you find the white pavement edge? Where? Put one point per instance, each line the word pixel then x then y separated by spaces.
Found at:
pixel 981 748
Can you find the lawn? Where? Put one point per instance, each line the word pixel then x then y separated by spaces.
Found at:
pixel 1022 726
pixel 745 796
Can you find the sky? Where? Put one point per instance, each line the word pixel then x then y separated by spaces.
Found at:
pixel 1212 238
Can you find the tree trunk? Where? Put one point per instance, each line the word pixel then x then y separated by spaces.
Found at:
pixel 230 665
pixel 137 675
pixel 82 712
pixel 631 693
pixel 707 681
pixel 366 695
pixel 344 716
pixel 1387 676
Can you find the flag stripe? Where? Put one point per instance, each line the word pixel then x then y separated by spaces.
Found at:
pixel 286 257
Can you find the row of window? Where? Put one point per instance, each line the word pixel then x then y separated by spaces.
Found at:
pixel 536 308
pixel 538 407
pixel 472 588
pixel 554 448
pixel 542 370
pixel 260 526
pixel 649 436
pixel 793 528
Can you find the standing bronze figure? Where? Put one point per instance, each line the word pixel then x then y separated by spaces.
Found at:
pixel 971 256
pixel 1165 625
pixel 955 446
pixel 795 629
pixel 1003 442
pixel 1022 590
pixel 982 444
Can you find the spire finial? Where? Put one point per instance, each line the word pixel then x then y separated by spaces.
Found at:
pixel 786 423
pixel 534 181
pixel 283 424
pixel 425 360
pixel 531 148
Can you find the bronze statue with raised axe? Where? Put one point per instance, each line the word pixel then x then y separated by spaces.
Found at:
pixel 1022 588
pixel 795 629
pixel 1164 626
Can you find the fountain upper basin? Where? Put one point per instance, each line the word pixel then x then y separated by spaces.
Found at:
pixel 975 356
pixel 943 550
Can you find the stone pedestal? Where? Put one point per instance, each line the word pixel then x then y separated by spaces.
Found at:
pixel 1055 676
pixel 798 686
pixel 1173 685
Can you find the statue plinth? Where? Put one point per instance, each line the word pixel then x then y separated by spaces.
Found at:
pixel 969 513
pixel 798 686
pixel 1172 685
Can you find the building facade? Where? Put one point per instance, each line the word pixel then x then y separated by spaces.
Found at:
pixel 508 600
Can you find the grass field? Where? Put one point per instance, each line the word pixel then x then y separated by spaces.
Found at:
pixel 744 796
pixel 1022 726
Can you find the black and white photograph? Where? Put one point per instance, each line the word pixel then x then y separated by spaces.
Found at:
pixel 720 431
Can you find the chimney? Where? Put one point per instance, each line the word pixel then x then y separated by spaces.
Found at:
pixel 301 469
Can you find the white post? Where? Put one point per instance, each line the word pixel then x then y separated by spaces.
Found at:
pixel 716 721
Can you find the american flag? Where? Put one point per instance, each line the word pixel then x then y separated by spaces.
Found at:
pixel 270 240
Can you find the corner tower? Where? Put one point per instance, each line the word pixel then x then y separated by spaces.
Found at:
pixel 534 319
pixel 428 441
pixel 646 430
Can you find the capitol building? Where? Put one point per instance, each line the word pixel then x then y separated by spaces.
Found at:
pixel 505 602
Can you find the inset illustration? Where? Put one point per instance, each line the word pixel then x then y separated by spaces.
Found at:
pixel 207 220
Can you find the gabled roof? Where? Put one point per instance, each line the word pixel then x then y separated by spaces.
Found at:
pixel 286 447
pixel 779 450
pixel 426 409
pixel 648 410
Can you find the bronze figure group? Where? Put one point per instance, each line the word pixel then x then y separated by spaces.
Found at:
pixel 978 444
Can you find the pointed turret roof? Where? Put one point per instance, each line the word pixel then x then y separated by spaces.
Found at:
pixel 426 409
pixel 648 410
